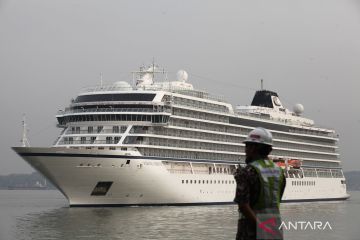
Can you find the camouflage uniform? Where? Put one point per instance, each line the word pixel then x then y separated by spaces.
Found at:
pixel 247 191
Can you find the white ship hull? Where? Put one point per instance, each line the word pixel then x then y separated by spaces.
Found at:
pixel 144 181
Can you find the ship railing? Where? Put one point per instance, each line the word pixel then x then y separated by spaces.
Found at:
pixel 141 131
pixel 244 132
pixel 94 131
pixel 303 131
pixel 180 171
pixel 254 115
pixel 312 132
pixel 101 88
pixel 185 91
pixel 313 172
pixel 196 106
pixel 77 142
pixel 83 110
pixel 188 92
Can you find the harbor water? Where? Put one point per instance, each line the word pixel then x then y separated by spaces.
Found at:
pixel 44 214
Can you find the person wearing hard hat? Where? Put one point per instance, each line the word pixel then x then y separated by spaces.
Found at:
pixel 260 186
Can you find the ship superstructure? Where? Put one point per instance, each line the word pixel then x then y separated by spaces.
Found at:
pixel 163 142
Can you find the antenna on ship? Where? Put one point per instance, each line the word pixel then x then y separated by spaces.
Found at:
pixel 24 140
pixel 101 79
pixel 153 69
pixel 262 84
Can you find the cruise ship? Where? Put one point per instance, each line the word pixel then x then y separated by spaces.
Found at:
pixel 162 142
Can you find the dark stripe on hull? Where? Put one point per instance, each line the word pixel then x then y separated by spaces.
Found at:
pixel 139 157
pixel 315 200
pixel 119 156
pixel 152 204
pixel 200 204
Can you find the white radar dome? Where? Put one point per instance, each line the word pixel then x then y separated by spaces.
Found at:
pixel 298 109
pixel 122 86
pixel 182 76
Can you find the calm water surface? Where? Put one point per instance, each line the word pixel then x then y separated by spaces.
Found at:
pixel 45 215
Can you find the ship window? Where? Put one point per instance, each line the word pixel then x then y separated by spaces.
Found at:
pixel 99 129
pixel 116 129
pixel 71 140
pixel 116 140
pixel 77 129
pixel 83 140
pixel 90 129
pixel 123 129
pixel 182 181
pixel 115 97
pixel 92 140
pixel 101 188
pixel 109 140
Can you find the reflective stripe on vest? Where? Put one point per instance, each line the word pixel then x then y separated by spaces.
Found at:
pixel 271 178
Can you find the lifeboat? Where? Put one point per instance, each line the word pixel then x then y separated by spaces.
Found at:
pixel 281 164
pixel 295 163
pixel 279 161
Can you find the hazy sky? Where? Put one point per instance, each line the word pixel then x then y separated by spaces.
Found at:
pixel 306 50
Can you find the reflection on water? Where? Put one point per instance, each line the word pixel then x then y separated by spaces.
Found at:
pixel 45 215
pixel 130 223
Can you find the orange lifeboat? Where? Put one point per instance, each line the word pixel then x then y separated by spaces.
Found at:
pixel 281 164
pixel 295 163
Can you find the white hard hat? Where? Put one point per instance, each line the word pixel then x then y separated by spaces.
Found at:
pixel 259 135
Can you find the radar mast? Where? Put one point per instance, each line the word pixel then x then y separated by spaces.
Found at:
pixel 24 140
